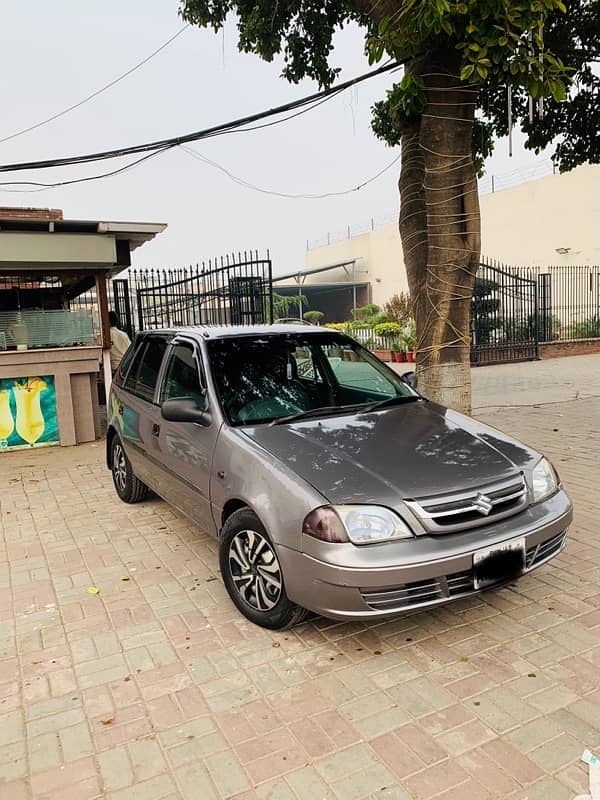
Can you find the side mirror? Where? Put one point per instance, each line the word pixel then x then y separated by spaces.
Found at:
pixel 410 378
pixel 185 409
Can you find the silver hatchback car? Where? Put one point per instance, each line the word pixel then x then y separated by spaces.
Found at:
pixel 331 484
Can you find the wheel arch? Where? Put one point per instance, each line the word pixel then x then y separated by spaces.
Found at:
pixel 231 506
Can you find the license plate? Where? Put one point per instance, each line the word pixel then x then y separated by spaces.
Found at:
pixel 498 564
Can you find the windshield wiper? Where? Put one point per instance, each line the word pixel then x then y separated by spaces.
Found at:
pixel 322 411
pixel 391 401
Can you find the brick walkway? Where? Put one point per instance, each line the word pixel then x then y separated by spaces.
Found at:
pixel 156 688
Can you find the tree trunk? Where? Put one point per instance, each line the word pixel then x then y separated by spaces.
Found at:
pixel 440 231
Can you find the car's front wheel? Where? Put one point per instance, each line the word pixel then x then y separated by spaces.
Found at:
pixel 129 488
pixel 252 573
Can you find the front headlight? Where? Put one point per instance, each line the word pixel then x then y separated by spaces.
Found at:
pixel 544 480
pixel 356 524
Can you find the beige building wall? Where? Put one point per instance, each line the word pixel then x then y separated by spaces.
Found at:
pixel 520 226
pixel 378 257
pixel 525 225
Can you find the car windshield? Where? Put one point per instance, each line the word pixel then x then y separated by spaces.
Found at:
pixel 270 377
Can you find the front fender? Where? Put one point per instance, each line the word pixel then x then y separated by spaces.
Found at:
pixel 244 471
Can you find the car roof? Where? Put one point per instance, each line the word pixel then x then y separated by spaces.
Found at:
pixel 226 331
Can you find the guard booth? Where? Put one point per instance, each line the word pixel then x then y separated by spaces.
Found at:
pixel 51 350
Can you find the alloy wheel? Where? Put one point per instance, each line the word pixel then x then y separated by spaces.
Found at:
pixel 119 467
pixel 255 570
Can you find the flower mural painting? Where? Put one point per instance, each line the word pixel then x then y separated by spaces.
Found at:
pixel 28 413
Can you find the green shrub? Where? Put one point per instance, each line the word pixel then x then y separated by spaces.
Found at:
pixel 378 319
pixel 388 329
pixel 364 312
pixel 588 329
pixel 314 317
pixel 398 308
pixel 359 324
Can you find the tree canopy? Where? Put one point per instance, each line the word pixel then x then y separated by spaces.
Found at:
pixel 465 62
pixel 542 48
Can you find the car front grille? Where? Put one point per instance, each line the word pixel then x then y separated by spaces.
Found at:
pixel 471 508
pixel 432 591
pixel 542 552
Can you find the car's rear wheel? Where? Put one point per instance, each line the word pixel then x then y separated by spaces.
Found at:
pixel 252 573
pixel 129 488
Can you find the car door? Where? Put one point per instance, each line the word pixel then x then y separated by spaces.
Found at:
pixel 186 448
pixel 137 415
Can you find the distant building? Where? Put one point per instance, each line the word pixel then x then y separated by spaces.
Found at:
pixel 554 220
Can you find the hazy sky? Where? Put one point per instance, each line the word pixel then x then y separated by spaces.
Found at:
pixel 54 54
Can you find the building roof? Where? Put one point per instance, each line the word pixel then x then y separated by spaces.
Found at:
pixel 41 240
pixel 300 273
pixel 51 221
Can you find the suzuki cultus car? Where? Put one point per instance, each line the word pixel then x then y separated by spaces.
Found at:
pixel 331 485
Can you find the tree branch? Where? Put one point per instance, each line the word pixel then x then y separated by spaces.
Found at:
pixel 377 10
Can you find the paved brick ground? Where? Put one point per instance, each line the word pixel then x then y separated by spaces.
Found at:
pixel 156 688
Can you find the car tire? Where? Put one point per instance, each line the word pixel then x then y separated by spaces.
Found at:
pixel 252 574
pixel 129 488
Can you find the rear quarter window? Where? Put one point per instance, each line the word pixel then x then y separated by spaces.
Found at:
pixel 145 367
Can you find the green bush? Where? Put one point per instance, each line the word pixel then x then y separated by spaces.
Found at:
pixel 378 319
pixel 588 329
pixel 398 308
pixel 364 312
pixel 314 317
pixel 388 329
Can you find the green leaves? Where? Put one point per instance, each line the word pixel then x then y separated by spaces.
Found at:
pixel 495 43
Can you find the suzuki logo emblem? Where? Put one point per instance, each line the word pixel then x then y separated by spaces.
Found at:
pixel 483 504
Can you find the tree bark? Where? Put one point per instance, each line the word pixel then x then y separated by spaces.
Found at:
pixel 440 232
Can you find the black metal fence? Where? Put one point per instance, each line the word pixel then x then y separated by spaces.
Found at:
pixel 516 308
pixel 233 290
pixel 569 301
pixel 504 316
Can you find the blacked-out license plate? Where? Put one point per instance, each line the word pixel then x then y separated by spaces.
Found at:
pixel 497 564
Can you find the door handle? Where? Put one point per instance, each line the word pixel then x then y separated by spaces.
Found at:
pixel 155 429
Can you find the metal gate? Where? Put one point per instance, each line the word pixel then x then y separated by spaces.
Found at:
pixel 121 304
pixel 231 291
pixel 504 316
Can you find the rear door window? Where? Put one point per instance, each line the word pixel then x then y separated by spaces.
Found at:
pixel 143 374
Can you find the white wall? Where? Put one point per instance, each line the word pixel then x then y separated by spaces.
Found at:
pixel 379 262
pixel 520 226
pixel 524 225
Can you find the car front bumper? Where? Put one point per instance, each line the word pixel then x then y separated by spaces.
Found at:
pixel 336 581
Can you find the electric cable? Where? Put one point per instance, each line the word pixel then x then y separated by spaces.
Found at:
pixel 97 92
pixel 286 195
pixel 44 186
pixel 216 130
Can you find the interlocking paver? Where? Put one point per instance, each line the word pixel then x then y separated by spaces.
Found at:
pixel 156 688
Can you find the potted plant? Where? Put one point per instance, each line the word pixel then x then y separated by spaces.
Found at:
pixel 398 354
pixel 389 332
pixel 410 340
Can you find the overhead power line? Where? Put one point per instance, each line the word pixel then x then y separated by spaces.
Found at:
pixel 41 187
pixel 286 195
pixel 97 92
pixel 217 130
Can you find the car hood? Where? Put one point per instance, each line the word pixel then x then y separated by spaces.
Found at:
pixel 403 452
